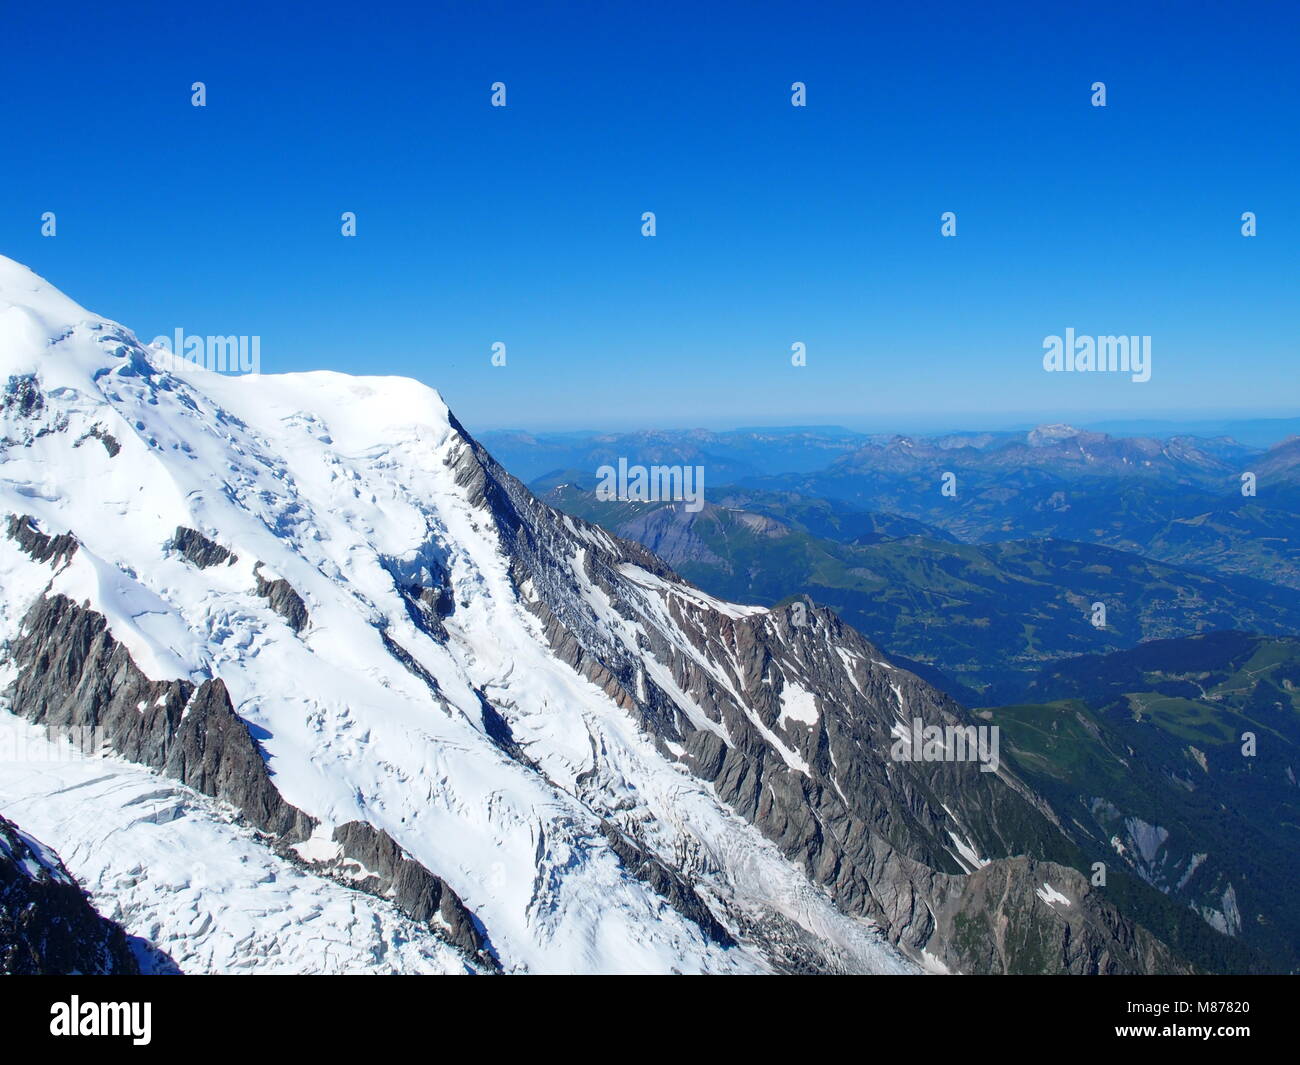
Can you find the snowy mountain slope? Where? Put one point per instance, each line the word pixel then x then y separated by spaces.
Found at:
pixel 171 866
pixel 317 600
pixel 340 486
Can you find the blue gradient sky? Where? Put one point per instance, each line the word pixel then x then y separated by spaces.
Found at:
pixel 776 224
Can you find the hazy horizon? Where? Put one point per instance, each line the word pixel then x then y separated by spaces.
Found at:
pixel 1209 423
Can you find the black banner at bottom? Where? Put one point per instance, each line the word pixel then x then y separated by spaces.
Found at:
pixel 360 1014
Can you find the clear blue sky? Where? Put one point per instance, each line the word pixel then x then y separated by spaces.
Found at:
pixel 775 224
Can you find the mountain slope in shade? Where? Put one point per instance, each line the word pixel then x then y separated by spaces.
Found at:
pixel 315 602
pixel 1144 750
pixel 47 926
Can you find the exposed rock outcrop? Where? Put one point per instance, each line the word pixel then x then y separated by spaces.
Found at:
pixel 1021 916
pixel 667 883
pixel 56 550
pixel 283 599
pixel 386 871
pixel 23 396
pixel 110 442
pixel 199 550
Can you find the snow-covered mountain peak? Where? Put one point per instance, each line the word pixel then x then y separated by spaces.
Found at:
pixel 362 615
pixel 21 288
pixel 1045 435
pixel 42 330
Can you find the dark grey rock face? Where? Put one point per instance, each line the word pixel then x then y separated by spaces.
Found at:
pixel 423 897
pixel 499 731
pixel 106 438
pixel 1066 927
pixel 72 672
pixel 215 754
pixel 47 925
pixel 55 550
pixel 425 587
pixel 200 551
pixel 23 396
pixel 402 655
pixel 284 600
pixel 667 883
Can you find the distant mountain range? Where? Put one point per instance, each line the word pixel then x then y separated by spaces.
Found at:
pixel 974 619
pixel 1251 431
pixel 728 456
pixel 733 455
pixel 1178 500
